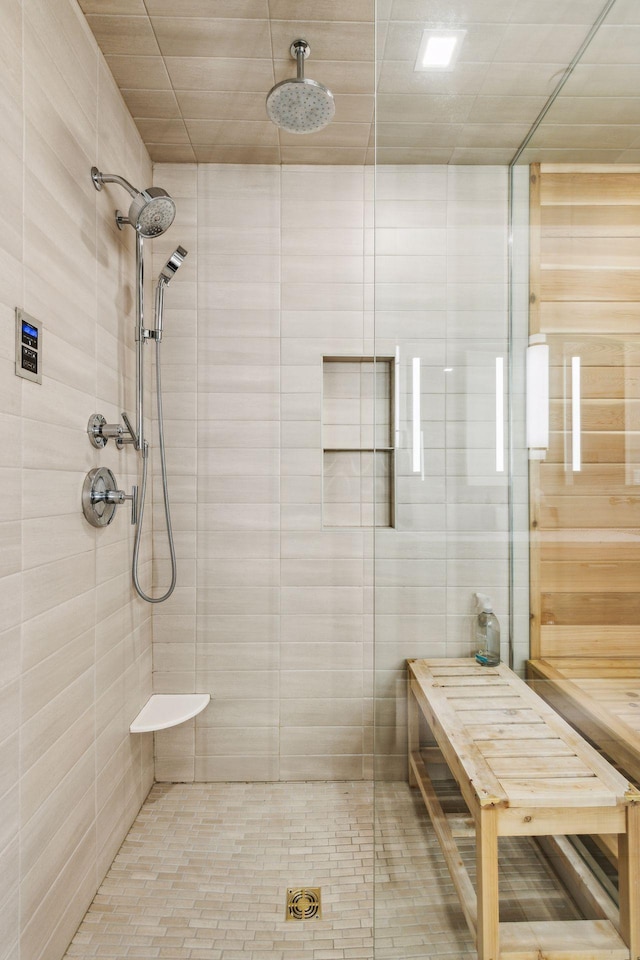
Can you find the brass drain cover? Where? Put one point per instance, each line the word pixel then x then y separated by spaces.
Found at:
pixel 303 903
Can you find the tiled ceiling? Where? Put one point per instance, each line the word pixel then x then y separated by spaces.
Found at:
pixel 195 75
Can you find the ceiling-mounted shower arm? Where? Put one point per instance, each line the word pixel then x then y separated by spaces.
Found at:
pixel 300 50
pixel 299 104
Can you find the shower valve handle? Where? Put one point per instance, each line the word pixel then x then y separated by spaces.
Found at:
pixel 119 497
pixel 101 497
pixel 132 438
pixel 100 432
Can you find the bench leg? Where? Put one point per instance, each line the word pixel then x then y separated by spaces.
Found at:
pixel 488 944
pixel 629 881
pixel 413 730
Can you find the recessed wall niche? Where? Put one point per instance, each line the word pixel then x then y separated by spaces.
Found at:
pixel 358 471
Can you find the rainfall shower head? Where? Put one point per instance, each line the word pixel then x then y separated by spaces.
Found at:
pixel 151 211
pixel 172 265
pixel 299 105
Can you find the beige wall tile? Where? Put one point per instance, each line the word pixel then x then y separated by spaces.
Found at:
pixel 221 769
pixel 331 742
pixel 232 684
pixel 222 656
pixel 49 609
pixel 238 713
pixel 178 770
pixel 339 655
pixel 258 492
pixel 304 490
pixel 321 768
pixel 322 628
pixel 260 517
pixel 301 516
pixel 236 742
pixel 208 37
pixel 48 929
pixel 319 712
pixel 54 764
pixel 239 600
pixel 61 845
pixel 195 73
pixel 120 36
pixel 9 899
pixel 238 573
pixel 240 544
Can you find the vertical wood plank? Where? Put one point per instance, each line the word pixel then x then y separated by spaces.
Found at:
pixel 629 881
pixel 535 595
pixel 534 466
pixel 534 248
pixel 413 730
pixel 488 943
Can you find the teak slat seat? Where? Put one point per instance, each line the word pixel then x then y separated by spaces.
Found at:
pixel 598 696
pixel 521 777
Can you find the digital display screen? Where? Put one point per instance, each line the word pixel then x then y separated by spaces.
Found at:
pixel 29 330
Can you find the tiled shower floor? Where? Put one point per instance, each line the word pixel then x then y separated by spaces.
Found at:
pixel 204 871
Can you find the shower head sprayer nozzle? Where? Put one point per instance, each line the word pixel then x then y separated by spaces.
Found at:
pixel 151 211
pixel 172 265
pixel 167 274
pixel 300 105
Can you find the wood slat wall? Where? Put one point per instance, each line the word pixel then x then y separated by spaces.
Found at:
pixel 585 297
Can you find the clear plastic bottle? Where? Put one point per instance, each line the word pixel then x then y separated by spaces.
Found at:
pixel 487 633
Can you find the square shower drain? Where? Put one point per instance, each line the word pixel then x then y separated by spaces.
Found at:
pixel 303 903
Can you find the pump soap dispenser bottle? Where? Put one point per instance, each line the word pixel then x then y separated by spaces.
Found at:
pixel 487 632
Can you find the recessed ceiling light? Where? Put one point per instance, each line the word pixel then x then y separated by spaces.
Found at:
pixel 439 49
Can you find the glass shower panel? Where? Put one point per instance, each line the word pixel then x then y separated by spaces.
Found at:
pixel 585 588
pixel 441 311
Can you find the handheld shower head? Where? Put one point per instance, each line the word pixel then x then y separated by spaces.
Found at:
pixel 167 274
pixel 151 212
pixel 299 105
pixel 172 265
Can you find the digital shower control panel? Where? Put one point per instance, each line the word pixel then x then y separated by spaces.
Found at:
pixel 28 347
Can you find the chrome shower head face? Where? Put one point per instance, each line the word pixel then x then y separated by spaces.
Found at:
pixel 152 212
pixel 299 105
pixel 172 265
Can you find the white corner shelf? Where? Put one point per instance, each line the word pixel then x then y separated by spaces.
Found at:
pixel 164 710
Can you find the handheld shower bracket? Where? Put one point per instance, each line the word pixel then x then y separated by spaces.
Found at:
pixel 100 432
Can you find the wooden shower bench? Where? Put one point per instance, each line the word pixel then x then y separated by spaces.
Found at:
pixel 522 771
pixel 600 697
